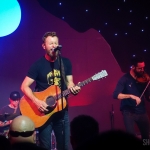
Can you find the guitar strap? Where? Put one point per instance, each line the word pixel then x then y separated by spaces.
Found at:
pixel 61 65
pixel 63 71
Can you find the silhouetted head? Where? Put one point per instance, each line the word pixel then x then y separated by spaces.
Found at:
pixel 26 146
pixel 4 143
pixel 22 129
pixel 114 139
pixel 82 128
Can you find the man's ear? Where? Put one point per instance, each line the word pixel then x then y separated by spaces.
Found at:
pixel 133 67
pixel 43 45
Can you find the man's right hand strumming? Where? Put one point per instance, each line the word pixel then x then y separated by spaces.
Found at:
pixel 41 105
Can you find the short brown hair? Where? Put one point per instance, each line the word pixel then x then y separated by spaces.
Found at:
pixel 136 60
pixel 48 34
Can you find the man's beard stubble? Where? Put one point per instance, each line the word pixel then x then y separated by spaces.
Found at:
pixel 138 74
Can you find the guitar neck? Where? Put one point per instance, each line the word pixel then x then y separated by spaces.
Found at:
pixel 67 91
pixel 84 82
pixel 99 75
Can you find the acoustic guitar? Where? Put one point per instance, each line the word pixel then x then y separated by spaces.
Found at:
pixel 54 98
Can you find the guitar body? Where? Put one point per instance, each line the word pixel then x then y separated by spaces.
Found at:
pixel 29 109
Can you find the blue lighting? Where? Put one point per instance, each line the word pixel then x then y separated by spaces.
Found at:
pixel 10 14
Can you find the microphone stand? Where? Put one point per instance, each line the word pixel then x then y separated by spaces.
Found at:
pixel 112 118
pixel 62 85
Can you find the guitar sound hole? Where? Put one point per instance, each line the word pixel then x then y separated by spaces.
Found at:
pixel 51 102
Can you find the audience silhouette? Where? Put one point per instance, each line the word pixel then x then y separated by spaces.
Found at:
pixel 82 128
pixel 4 143
pixel 26 146
pixel 22 134
pixel 114 139
pixel 22 129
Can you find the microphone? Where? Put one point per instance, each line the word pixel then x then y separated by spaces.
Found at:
pixel 58 48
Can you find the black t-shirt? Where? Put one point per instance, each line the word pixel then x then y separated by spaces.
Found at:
pixel 47 73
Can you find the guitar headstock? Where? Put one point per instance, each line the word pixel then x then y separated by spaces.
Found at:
pixel 100 75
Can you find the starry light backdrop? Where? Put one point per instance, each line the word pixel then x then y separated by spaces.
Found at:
pixel 125 24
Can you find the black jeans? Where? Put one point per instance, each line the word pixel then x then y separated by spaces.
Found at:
pixel 141 120
pixel 62 140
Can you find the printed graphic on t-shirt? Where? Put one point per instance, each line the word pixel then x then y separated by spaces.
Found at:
pixel 53 78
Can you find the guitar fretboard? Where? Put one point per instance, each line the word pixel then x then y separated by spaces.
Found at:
pixel 67 91
pixel 99 75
